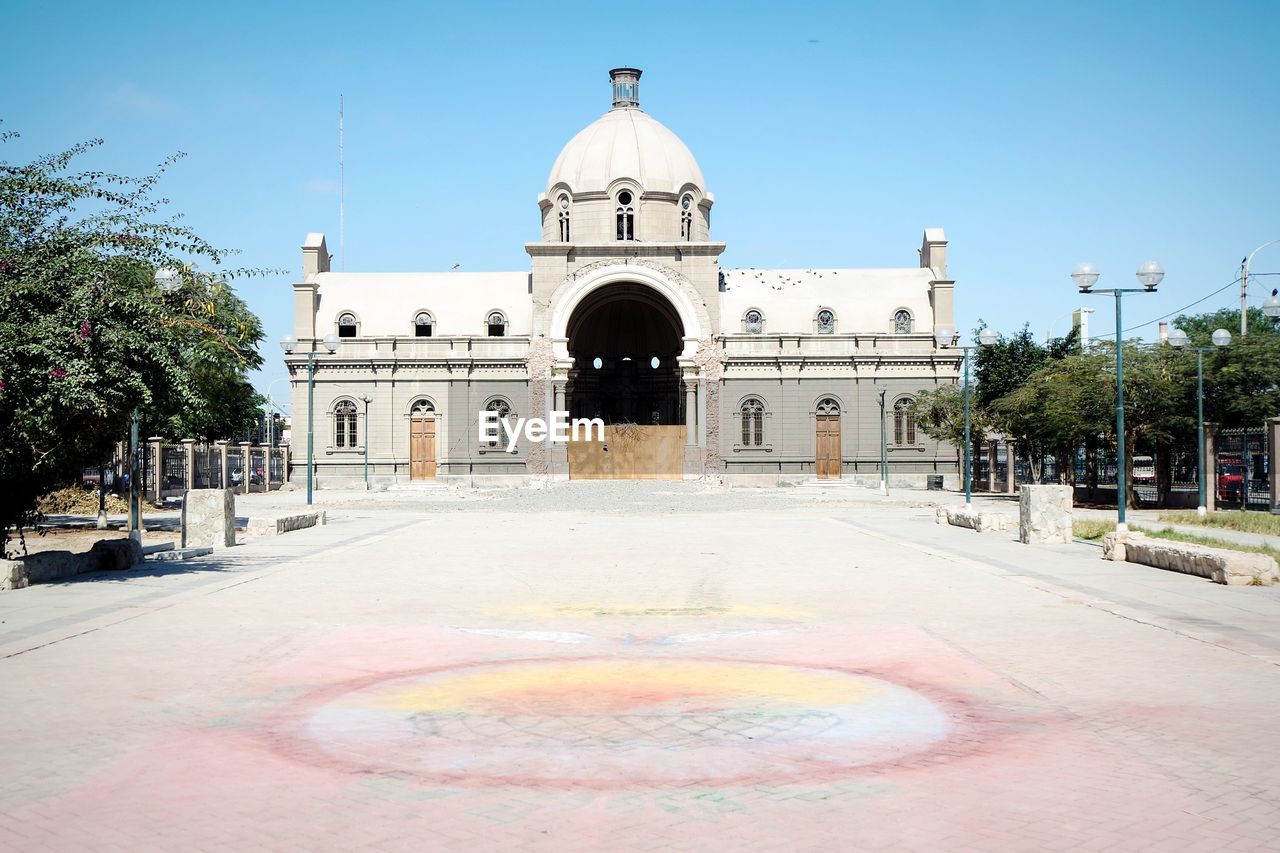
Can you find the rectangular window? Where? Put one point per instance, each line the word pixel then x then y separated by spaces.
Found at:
pixel 422 330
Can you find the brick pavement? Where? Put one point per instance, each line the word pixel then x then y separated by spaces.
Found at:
pixel 829 676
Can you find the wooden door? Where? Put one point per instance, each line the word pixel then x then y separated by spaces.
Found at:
pixel 828 438
pixel 422 448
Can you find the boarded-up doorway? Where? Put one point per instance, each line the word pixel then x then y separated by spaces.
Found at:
pixel 630 452
pixel 422 448
pixel 828 439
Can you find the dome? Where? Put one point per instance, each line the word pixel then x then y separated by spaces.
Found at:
pixel 625 142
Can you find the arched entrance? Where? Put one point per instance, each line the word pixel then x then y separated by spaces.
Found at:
pixel 624 340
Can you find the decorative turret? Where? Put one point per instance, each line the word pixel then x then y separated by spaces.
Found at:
pixel 626 88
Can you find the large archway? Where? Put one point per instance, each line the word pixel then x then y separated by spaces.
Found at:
pixel 624 339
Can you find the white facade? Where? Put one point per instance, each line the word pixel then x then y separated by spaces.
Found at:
pixel 625 314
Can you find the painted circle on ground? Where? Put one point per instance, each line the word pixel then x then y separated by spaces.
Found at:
pixel 624 721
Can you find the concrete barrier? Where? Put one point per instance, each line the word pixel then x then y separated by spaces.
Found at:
pixel 1220 565
pixel 208 518
pixel 983 522
pixel 285 523
pixel 106 555
pixel 1044 514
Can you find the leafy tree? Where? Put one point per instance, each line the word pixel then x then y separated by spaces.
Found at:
pixel 1241 380
pixel 939 414
pixel 89 334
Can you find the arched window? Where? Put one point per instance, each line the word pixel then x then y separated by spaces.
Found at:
pixel 753 322
pixel 344 424
pixel 564 219
pixel 422 325
pixel 497 324
pixel 347 325
pixel 752 422
pixel 902 322
pixel 686 218
pixel 824 323
pixel 828 406
pixel 421 408
pixel 503 408
pixel 626 216
pixel 904 423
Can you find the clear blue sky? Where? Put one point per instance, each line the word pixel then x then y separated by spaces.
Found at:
pixel 832 134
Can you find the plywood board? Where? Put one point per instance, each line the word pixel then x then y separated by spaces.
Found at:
pixel 630 453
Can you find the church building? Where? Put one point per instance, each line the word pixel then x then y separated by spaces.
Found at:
pixel 750 376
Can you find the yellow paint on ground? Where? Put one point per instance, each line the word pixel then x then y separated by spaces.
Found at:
pixel 577 686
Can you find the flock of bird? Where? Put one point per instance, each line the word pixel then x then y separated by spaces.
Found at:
pixel 786 280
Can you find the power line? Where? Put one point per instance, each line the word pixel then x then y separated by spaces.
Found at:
pixel 1185 307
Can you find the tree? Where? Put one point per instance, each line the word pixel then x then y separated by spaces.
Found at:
pixel 1241 380
pixel 89 334
pixel 939 414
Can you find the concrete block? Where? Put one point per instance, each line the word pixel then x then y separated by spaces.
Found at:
pixel 113 555
pixel 982 522
pixel 1219 565
pixel 274 526
pixel 209 518
pixel 13 574
pixel 1044 514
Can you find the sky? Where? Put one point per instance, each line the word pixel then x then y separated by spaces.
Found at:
pixel 1037 135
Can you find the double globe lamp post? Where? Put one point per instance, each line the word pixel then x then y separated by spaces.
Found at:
pixel 945 338
pixel 1179 339
pixel 331 343
pixel 1149 276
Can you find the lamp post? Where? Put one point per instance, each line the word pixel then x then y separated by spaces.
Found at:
pixel 945 338
pixel 1221 338
pixel 289 343
pixel 884 450
pixel 1150 274
pixel 367 400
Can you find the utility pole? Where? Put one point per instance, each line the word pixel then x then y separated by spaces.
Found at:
pixel 1244 297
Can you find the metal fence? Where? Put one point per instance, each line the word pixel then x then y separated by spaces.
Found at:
pixel 1241 468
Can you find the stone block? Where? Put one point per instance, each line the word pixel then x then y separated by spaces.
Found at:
pixel 209 518
pixel 983 522
pixel 13 574
pixel 1219 565
pixel 113 555
pixel 46 566
pixel 1044 514
pixel 274 526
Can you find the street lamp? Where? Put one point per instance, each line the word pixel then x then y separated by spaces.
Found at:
pixel 289 343
pixel 1221 338
pixel 945 338
pixel 1271 306
pixel 367 400
pixel 1150 274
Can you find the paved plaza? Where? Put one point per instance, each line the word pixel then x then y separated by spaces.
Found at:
pixel 632 666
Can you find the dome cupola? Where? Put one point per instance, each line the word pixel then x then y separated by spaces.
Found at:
pixel 625 176
pixel 625 143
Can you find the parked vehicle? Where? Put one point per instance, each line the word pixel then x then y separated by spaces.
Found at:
pixel 90 478
pixel 1144 470
pixel 1230 476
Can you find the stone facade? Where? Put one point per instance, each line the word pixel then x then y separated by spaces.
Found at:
pixel 743 358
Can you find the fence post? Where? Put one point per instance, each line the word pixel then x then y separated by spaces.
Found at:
pixel 189 450
pixel 224 469
pixel 156 449
pixel 245 470
pixel 1210 466
pixel 1273 457
pixel 1011 472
